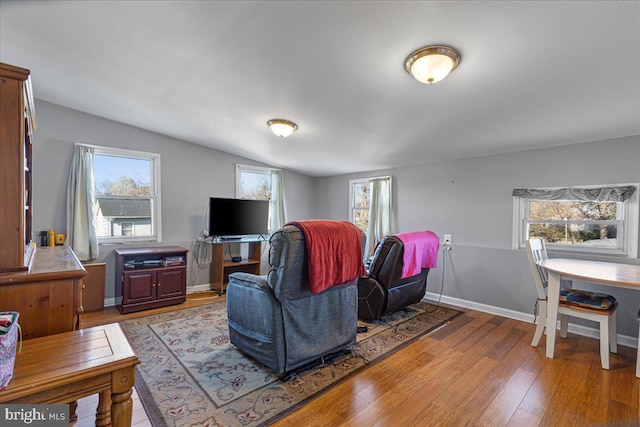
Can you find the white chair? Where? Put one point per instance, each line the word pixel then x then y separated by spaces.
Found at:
pixel 536 251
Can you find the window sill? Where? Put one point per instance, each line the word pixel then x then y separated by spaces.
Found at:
pixel 613 254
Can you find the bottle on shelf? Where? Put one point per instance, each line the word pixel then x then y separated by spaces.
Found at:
pixel 52 237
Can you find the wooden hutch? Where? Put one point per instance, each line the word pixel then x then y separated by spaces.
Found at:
pixel 42 284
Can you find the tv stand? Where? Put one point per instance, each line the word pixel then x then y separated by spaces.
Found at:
pixel 221 268
pixel 150 277
pixel 229 239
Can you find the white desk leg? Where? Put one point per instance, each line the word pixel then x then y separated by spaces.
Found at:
pixel 553 301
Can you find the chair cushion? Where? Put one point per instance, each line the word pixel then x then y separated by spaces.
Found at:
pixel 586 299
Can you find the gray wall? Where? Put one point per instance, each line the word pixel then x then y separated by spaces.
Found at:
pixel 471 199
pixel 189 175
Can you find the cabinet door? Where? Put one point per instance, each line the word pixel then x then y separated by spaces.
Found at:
pixel 139 286
pixel 172 282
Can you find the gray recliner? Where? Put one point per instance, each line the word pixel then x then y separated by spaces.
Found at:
pixel 277 320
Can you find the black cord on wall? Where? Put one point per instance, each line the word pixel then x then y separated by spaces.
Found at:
pixel 445 250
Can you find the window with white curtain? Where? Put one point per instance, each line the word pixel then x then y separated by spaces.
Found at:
pixel 262 183
pixel 370 208
pixel 594 219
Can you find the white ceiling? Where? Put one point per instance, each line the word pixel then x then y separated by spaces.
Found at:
pixel 532 74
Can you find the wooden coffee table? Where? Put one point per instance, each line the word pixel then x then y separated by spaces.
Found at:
pixel 64 367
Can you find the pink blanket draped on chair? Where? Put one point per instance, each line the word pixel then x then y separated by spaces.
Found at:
pixel 334 252
pixel 420 251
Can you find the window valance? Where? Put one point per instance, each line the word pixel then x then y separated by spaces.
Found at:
pixel 598 194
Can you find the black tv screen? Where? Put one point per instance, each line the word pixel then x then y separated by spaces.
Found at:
pixel 238 217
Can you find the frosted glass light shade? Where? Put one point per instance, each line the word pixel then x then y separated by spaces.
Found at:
pixel 432 64
pixel 281 127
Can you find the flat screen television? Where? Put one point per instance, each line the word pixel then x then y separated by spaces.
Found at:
pixel 237 217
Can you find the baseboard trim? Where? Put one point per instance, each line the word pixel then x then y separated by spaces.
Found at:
pixel 524 317
pixel 198 288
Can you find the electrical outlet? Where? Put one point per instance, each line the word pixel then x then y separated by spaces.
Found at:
pixel 447 239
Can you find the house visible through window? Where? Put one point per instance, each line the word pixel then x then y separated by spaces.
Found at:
pixel 126 188
pixel 590 219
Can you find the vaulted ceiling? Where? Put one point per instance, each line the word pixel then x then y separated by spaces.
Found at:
pixel 532 74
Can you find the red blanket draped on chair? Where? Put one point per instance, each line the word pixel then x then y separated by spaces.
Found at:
pixel 334 252
pixel 420 251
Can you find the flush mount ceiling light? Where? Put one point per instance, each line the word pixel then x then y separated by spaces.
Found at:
pixel 432 63
pixel 281 127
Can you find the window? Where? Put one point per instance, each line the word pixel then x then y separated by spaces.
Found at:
pixel 127 195
pixel 260 183
pixel 253 182
pixel 127 229
pixel 360 202
pixel 600 220
pixel 370 208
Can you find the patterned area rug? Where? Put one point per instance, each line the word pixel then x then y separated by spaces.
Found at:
pixel 191 375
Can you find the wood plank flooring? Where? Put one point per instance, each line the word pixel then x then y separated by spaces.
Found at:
pixel 479 370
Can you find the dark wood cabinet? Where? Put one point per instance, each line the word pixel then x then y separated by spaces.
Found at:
pixel 171 282
pixel 138 287
pixel 151 277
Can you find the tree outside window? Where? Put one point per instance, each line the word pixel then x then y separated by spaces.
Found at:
pixel 574 222
pixel 254 185
pixel 360 204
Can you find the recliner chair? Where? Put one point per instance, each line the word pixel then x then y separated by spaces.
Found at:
pixel 278 321
pixel 384 290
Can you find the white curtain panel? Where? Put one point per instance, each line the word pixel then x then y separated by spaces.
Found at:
pixel 380 212
pixel 81 218
pixel 277 205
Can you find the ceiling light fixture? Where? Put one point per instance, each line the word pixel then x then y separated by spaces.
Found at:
pixel 432 63
pixel 281 127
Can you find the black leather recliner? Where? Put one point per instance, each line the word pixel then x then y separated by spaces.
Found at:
pixel 383 291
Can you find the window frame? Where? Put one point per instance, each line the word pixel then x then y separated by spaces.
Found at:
pixel 353 183
pixel 352 208
pixel 129 223
pixel 627 222
pixel 255 169
pixel 154 197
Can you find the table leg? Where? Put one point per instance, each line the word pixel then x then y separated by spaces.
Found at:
pixel 553 302
pixel 72 411
pixel 103 413
pixel 121 403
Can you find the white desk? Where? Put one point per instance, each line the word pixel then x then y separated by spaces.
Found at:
pixel 605 273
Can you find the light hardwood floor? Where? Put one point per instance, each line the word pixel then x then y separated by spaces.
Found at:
pixel 479 370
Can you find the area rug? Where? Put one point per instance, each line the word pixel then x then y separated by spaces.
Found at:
pixel 191 375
